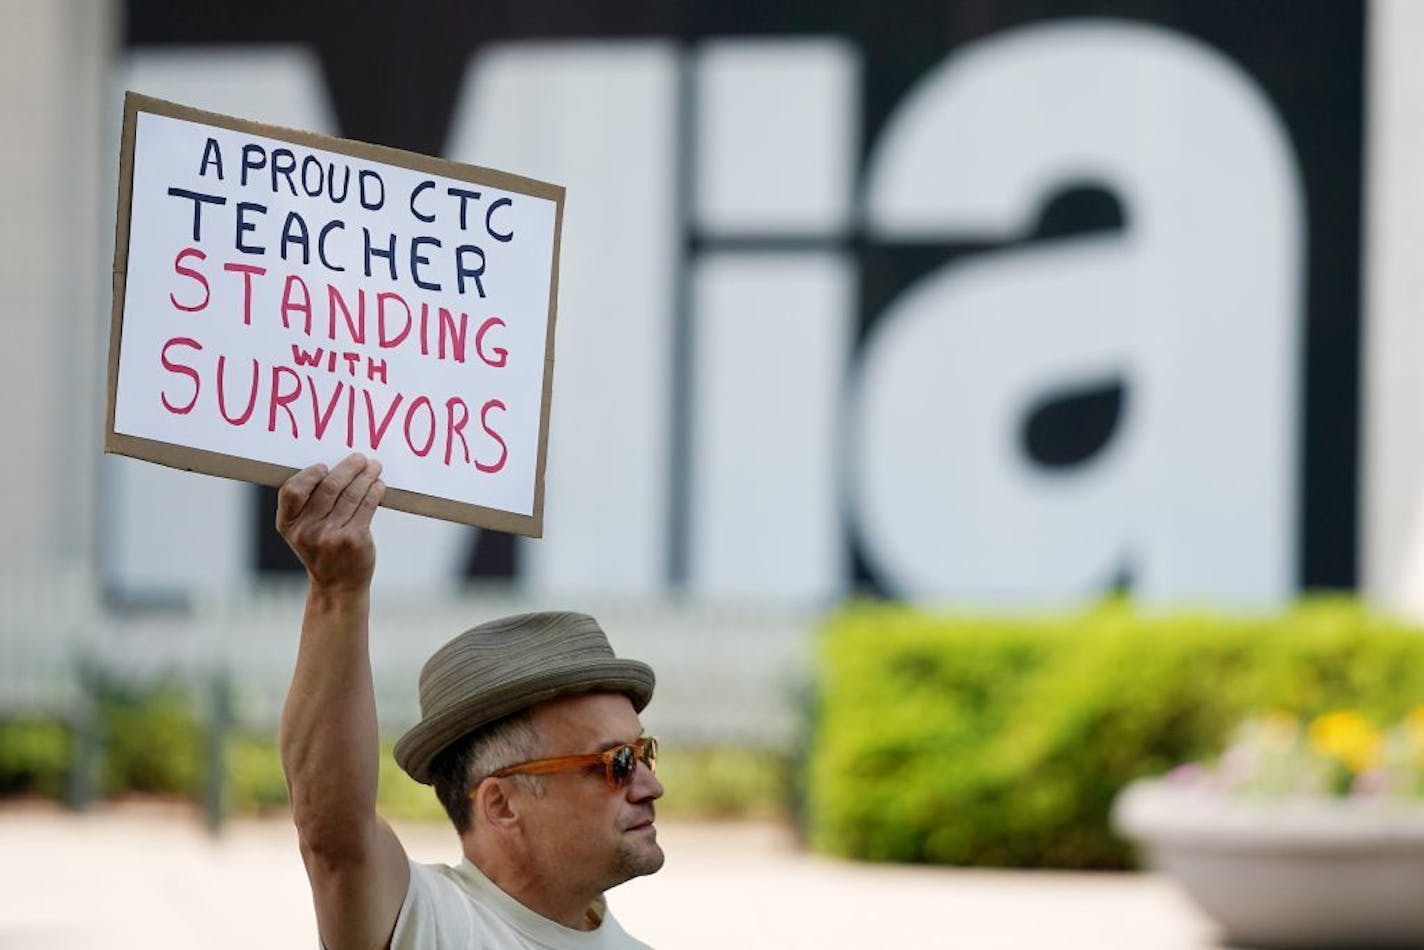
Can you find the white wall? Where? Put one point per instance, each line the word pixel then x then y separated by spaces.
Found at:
pixel 1391 526
pixel 53 293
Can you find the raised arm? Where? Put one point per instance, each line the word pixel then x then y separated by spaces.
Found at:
pixel 329 738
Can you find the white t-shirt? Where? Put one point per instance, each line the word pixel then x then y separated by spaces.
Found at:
pixel 458 907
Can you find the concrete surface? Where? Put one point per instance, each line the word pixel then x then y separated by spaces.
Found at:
pixel 149 876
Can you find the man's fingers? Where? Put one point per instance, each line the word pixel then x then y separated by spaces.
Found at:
pixel 295 491
pixel 316 509
pixel 350 498
pixel 369 503
pixel 324 497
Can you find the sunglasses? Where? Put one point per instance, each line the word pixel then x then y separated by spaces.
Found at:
pixel 619 763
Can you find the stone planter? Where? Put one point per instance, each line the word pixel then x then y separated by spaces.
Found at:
pixel 1286 873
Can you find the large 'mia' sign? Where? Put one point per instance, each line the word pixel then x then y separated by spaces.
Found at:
pixel 1015 320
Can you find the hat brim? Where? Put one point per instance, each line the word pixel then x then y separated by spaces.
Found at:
pixel 418 748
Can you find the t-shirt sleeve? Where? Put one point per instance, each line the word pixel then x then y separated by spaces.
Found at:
pixel 433 914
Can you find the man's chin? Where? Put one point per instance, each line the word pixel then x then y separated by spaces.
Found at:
pixel 641 858
pixel 655 858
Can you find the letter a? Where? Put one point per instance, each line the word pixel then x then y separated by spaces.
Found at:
pixel 212 154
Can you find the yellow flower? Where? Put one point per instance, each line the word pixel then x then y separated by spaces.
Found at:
pixel 1346 735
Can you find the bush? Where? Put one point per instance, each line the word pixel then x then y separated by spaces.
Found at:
pixel 401 797
pixel 255 779
pixel 152 739
pixel 258 784
pixel 34 757
pixel 1003 742
pixel 719 782
pixel 149 738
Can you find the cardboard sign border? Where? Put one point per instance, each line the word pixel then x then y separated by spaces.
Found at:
pixel 267 473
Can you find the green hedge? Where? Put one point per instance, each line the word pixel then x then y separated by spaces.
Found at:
pixel 149 734
pixel 1002 742
pixel 151 738
pixel 35 756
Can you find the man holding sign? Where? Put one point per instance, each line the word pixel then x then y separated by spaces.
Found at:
pixel 529 733
pixel 279 294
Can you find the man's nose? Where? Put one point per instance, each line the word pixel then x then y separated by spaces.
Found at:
pixel 645 785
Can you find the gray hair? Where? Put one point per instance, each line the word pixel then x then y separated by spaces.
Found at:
pixel 461 767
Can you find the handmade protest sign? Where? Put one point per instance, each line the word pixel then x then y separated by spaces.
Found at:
pixel 282 297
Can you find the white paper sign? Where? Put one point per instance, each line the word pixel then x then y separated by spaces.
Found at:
pixel 289 298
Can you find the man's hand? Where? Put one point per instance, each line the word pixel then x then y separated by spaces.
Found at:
pixel 325 516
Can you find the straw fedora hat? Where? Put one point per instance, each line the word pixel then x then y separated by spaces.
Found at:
pixel 507 665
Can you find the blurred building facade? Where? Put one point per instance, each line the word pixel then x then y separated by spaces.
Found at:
pixel 960 303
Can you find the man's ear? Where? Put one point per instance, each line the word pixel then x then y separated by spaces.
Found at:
pixel 496 805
